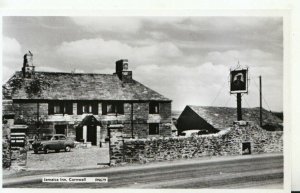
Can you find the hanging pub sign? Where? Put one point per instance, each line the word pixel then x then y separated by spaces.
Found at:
pixel 239 81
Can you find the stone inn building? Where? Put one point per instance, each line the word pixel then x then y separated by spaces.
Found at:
pixel 85 105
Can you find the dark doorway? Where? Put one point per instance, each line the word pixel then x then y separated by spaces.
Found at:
pixel 92 134
pixel 79 134
pixel 246 148
pixel 60 129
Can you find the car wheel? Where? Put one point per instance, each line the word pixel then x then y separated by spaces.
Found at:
pixel 68 149
pixel 57 150
pixel 46 150
pixel 35 151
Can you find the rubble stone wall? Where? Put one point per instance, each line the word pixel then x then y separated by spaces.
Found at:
pixel 165 112
pixel 14 157
pixel 230 143
pixel 6 161
pixel 116 151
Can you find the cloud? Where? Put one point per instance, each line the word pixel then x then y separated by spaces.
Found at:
pixel 110 24
pixel 183 84
pixel 231 57
pixel 185 78
pixel 200 85
pixel 11 47
pixel 102 52
pixel 185 58
pixel 12 57
pixel 225 33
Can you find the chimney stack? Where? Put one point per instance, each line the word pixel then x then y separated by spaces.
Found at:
pixel 28 67
pixel 122 70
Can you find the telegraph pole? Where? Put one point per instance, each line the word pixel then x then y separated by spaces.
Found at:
pixel 260 102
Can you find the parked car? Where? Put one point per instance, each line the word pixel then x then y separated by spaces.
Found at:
pixel 53 142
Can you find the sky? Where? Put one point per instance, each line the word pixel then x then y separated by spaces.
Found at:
pixel 187 59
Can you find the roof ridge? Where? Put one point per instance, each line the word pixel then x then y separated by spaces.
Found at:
pixel 84 73
pixel 202 106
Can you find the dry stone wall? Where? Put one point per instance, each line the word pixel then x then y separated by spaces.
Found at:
pixel 228 143
pixel 13 157
pixel 116 151
pixel 6 161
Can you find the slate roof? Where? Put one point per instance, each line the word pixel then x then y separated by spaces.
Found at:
pixel 80 86
pixel 223 117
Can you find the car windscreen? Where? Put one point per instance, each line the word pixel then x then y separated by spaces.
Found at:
pixel 62 138
pixel 47 137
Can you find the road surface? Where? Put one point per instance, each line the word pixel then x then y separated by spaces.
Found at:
pixel 251 172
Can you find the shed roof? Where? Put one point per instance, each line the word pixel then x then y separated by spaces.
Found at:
pixel 79 86
pixel 223 117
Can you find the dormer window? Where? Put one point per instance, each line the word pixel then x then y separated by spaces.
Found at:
pixel 153 108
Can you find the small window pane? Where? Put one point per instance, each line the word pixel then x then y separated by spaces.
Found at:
pixel 120 109
pixel 110 108
pixel 57 109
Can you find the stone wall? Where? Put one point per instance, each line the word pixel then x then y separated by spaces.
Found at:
pixel 140 112
pixel 116 151
pixel 26 113
pixel 18 158
pixel 222 144
pixel 14 157
pixel 6 161
pixel 165 112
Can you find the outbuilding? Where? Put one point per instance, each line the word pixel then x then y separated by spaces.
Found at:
pixel 209 119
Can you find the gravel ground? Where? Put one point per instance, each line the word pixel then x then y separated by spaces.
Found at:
pixel 76 159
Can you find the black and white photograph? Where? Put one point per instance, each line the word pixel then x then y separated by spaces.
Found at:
pixel 143 102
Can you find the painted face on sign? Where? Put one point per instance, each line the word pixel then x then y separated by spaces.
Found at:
pixel 238 82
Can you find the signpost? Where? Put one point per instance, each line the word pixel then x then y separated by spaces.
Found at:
pixel 239 85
